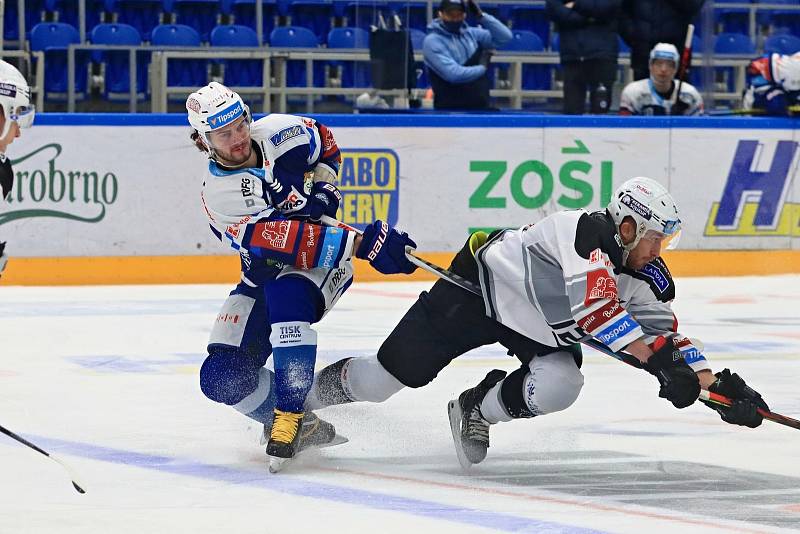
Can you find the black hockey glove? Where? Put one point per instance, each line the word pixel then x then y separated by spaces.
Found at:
pixel 679 108
pixel 679 383
pixel 385 249
pixel 746 400
pixel 474 9
pixel 325 198
pixel 3 258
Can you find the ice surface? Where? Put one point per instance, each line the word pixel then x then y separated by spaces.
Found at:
pixel 106 377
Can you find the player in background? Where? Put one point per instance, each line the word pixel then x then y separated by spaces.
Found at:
pixel 18 113
pixel 773 85
pixel 546 286
pixel 267 184
pixel 655 95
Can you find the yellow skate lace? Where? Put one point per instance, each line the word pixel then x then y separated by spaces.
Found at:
pixel 285 425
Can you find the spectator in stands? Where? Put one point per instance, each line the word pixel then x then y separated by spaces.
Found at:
pixel 17 112
pixel 657 94
pixel 643 23
pixel 773 85
pixel 458 56
pixel 588 45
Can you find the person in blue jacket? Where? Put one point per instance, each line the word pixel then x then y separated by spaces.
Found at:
pixel 457 55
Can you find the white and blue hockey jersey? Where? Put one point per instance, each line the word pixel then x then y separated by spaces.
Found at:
pixel 561 281
pixel 249 208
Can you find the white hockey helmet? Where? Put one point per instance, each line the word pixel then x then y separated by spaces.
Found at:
pixel 213 107
pixel 651 207
pixel 786 71
pixel 15 98
pixel 665 51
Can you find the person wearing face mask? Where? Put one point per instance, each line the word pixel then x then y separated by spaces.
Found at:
pixel 657 94
pixel 17 113
pixel 458 55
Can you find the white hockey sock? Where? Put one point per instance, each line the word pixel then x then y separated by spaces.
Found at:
pixel 492 407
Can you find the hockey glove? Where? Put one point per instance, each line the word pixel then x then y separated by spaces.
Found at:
pixel 746 400
pixel 385 249
pixel 679 383
pixel 324 200
pixel 679 108
pixel 3 258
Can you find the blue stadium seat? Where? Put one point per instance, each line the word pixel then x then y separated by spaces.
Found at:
pixel 500 11
pixel 295 37
pixel 202 15
pixel 67 11
pixel 731 43
pixel 413 15
pixel 354 74
pixel 117 64
pixel 239 72
pixel 315 15
pixel 782 44
pixel 730 19
pixel 34 13
pixel 53 38
pixel 244 13
pixel 144 15
pixel 531 18
pixel 181 72
pixel 366 14
pixel 777 17
pixel 533 76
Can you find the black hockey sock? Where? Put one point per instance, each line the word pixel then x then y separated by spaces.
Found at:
pixel 330 386
pixel 511 394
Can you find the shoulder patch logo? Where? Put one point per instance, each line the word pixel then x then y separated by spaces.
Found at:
pixel 654 273
pixel 286 134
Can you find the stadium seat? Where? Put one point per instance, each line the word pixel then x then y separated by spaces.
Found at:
pixel 778 17
pixel 34 14
pixel 181 72
pixel 67 11
pixel 367 14
pixel 730 19
pixel 202 15
pixel 294 37
pixel 782 44
pixel 533 76
pixel 116 62
pixel 531 18
pixel 731 43
pixel 413 15
pixel 144 15
pixel 353 73
pixel 315 15
pixel 244 13
pixel 53 38
pixel 239 72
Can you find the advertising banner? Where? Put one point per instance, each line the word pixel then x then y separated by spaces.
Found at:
pixel 120 190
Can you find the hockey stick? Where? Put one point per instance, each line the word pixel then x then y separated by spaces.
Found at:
pixel 449 276
pixel 686 60
pixel 78 487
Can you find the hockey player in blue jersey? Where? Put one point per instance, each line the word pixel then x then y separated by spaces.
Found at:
pixel 773 85
pixel 267 185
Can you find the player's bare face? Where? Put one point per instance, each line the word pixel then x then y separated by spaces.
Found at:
pixel 13 133
pixel 232 143
pixel 646 250
pixel 662 71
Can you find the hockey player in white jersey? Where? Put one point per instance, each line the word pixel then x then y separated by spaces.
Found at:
pixel 546 286
pixel 773 85
pixel 267 183
pixel 656 94
pixel 17 113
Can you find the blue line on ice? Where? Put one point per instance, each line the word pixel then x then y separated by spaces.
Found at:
pixel 301 488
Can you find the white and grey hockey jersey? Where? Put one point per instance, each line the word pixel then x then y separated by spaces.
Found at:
pixel 561 281
pixel 641 98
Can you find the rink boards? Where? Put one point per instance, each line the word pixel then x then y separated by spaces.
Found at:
pixel 115 198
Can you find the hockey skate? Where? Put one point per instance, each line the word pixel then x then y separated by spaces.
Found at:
pixel 297 432
pixel 470 430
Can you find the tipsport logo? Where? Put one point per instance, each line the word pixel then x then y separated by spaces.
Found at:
pixel 369 180
pixel 225 116
pixel 754 202
pixel 42 189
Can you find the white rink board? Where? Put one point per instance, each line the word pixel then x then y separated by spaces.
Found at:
pixel 143 198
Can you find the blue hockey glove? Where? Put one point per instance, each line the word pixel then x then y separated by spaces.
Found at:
pixel 385 249
pixel 324 200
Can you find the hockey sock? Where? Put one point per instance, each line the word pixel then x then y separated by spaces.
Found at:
pixel 294 350
pixel 259 404
pixel 492 407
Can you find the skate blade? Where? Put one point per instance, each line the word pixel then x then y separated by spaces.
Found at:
pixel 276 464
pixel 455 414
pixel 337 440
